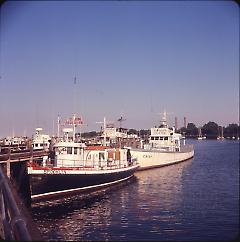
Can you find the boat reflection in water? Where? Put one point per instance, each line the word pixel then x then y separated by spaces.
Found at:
pixel 125 213
pixel 76 217
pixel 166 184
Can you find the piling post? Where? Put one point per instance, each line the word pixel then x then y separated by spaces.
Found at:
pixel 21 181
pixel 8 163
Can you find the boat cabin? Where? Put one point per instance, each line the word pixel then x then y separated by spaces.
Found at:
pixel 41 141
pixel 72 154
pixel 164 138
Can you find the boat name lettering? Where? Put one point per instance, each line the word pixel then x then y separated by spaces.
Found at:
pixel 147 156
pixel 54 172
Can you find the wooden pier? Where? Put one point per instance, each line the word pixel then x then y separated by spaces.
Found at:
pixel 15 197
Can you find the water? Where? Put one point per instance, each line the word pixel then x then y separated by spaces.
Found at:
pixel 195 200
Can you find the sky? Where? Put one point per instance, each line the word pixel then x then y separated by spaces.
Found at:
pixel 130 58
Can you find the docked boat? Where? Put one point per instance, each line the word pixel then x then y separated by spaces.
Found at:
pixel 164 147
pixel 40 141
pixel 79 168
pixel 200 136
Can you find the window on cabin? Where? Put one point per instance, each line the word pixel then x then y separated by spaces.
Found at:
pixel 152 138
pixel 41 145
pixel 75 150
pixel 156 138
pixel 101 156
pixel 69 150
pixel 161 138
pixel 165 138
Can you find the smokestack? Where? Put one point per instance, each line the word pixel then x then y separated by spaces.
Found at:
pixel 176 123
pixel 185 122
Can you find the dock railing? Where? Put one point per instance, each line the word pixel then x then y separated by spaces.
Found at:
pixel 14 224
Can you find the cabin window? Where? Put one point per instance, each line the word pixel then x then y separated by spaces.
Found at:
pixel 69 150
pixel 156 138
pixel 75 150
pixel 152 138
pixel 101 156
pixel 165 138
pixel 161 138
pixel 41 145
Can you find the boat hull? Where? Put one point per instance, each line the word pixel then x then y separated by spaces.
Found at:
pixel 52 183
pixel 149 159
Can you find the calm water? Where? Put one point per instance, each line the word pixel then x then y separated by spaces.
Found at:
pixel 195 200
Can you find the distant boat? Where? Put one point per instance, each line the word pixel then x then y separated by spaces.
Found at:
pixel 40 141
pixel 164 147
pixel 79 168
pixel 200 137
pixel 221 137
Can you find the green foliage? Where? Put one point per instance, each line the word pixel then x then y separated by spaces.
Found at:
pixel 132 131
pixel 144 132
pixel 91 134
pixel 191 130
pixel 183 130
pixel 211 129
pixel 232 130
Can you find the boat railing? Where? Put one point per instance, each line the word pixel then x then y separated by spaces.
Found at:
pixel 14 224
pixel 90 165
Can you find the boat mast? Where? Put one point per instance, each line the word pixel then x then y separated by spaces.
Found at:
pixel 164 119
pixel 75 107
pixel 104 130
pixel 199 132
pixel 74 127
pixel 222 132
pixel 58 126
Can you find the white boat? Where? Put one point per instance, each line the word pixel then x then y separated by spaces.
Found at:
pixel 200 137
pixel 221 137
pixel 79 168
pixel 41 141
pixel 165 147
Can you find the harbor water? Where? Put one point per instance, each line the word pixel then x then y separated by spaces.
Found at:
pixel 196 200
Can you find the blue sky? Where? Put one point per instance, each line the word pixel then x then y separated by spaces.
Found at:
pixel 131 58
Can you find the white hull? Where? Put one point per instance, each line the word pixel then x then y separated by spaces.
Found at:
pixel 153 158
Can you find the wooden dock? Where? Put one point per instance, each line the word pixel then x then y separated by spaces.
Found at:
pixel 15 196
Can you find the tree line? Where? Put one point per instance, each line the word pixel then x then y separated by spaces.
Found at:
pixel 211 130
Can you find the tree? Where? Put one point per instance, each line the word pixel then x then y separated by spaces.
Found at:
pixel 231 130
pixel 211 130
pixel 183 130
pixel 91 134
pixel 132 131
pixel 192 130
pixel 144 133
